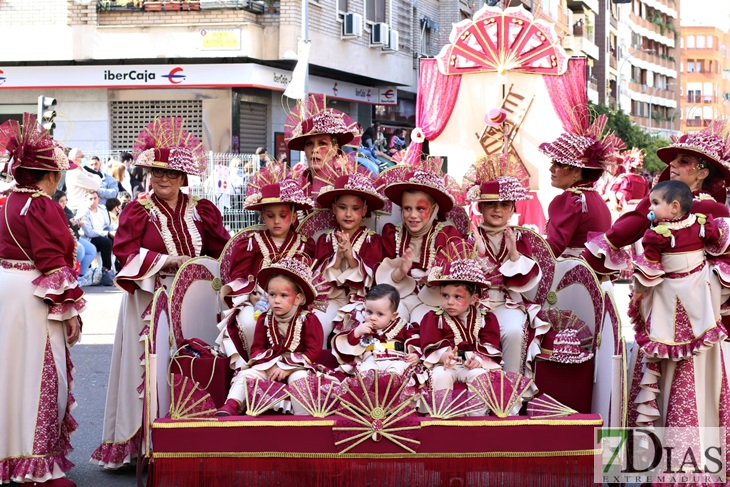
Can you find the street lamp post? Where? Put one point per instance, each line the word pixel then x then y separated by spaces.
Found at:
pixel 620 68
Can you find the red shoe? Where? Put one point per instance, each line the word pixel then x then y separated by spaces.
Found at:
pixel 230 408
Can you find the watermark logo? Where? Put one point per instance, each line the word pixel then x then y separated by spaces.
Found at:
pixel 666 455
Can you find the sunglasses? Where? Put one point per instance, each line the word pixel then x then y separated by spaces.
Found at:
pixel 160 173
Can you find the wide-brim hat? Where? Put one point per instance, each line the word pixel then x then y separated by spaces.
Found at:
pixel 352 184
pixel 430 182
pixel 707 146
pixel 495 117
pixel 298 269
pixel 570 149
pixel 469 270
pixel 173 159
pixel 328 122
pixel 164 144
pixel 286 192
pixel 504 188
pixel 28 146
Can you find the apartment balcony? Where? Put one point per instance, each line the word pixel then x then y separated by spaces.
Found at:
pixel 704 99
pixel 591 4
pixel 584 41
pixel 667 7
pixel 645 28
pixel 613 21
pixel 698 122
pixel 612 62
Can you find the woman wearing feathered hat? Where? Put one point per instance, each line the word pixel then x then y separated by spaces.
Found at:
pixel 321 133
pixel 155 237
pixel 700 159
pixel 410 248
pixel 40 307
pixel 577 162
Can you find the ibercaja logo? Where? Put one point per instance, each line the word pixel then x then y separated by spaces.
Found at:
pixel 685 455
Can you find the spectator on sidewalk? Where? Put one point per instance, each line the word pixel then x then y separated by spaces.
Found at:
pixel 79 182
pixel 109 187
pixel 98 229
pixel 85 250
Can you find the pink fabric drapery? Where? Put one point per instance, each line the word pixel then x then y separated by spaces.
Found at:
pixel 434 104
pixel 569 96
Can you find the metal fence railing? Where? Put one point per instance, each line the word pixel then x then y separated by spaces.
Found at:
pixel 224 183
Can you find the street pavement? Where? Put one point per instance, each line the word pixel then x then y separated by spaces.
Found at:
pixel 91 358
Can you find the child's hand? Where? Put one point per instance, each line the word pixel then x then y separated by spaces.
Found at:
pixel 363 329
pixel 510 242
pixel 406 262
pixel 254 297
pixel 277 374
pixel 472 363
pixel 412 358
pixel 449 358
pixel 478 240
pixel 343 244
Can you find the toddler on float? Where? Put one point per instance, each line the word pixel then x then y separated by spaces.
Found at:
pixel 348 255
pixel 288 338
pixel 278 197
pixel 382 341
pixel 460 340
pixel 676 313
pixel 515 271
pixel 410 248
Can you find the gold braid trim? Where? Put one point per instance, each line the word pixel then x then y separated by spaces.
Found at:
pixel 377 456
pixel 253 424
pixel 516 422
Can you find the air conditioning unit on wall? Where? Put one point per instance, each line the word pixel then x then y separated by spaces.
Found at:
pixel 352 25
pixel 379 34
pixel 392 44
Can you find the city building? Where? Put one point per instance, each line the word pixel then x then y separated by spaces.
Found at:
pixel 223 65
pixel 648 83
pixel 705 77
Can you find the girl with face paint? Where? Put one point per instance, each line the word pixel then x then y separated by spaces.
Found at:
pixel 410 248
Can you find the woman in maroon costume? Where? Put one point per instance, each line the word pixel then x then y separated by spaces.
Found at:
pixel 578 160
pixel 155 237
pixel 40 310
pixel 699 159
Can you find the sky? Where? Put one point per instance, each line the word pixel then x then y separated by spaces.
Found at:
pixel 705 12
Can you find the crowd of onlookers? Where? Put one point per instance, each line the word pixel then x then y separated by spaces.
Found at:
pixel 94 195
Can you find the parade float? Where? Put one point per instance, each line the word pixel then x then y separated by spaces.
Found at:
pixel 368 430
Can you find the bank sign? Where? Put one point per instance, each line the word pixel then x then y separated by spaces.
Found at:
pixel 184 76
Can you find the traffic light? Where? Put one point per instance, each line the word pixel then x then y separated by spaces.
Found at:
pixel 46 113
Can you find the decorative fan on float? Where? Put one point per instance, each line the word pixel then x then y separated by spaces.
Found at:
pixel 503 40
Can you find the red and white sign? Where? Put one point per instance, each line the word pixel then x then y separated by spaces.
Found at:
pixel 181 76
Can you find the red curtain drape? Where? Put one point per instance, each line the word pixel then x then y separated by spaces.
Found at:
pixel 434 104
pixel 569 96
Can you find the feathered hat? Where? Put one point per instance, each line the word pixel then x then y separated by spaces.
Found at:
pixel 588 150
pixel 710 144
pixel 633 158
pixel 30 147
pixel 164 144
pixel 342 175
pixel 298 268
pixel 424 176
pixel 459 262
pixel 496 177
pixel 312 117
pixel 273 185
